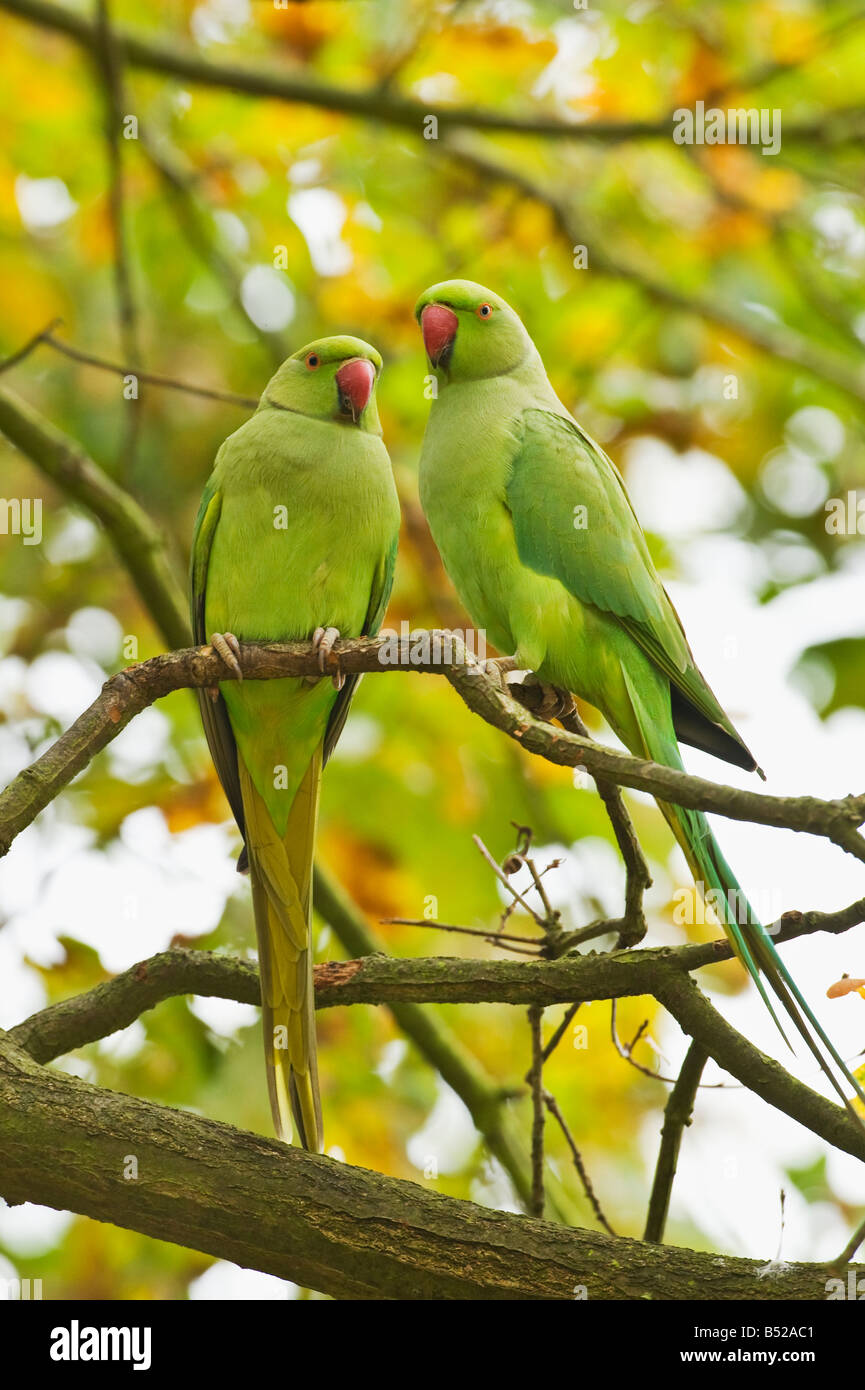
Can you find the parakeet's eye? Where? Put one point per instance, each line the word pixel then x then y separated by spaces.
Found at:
pixel 313 361
pixel 484 311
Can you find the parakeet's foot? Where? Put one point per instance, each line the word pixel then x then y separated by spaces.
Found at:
pixel 500 666
pixel 545 701
pixel 323 640
pixel 228 647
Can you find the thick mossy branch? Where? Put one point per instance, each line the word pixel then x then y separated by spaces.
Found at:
pixel 326 1225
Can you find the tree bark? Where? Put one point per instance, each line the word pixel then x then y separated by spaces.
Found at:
pixel 342 1230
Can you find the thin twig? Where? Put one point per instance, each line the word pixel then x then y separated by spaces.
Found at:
pixel 857 1239
pixel 637 876
pixel 110 66
pixel 449 926
pixel 551 916
pixel 560 1031
pixel 677 1116
pixel 31 344
pixel 569 940
pixel 625 1051
pixel 89 359
pixel 519 950
pixel 535 1015
pixel 503 878
pixel 552 1105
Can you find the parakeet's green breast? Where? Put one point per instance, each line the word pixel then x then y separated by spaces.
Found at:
pixel 308 510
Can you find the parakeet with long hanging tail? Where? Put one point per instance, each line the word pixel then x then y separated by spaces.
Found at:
pixel 295 539
pixel 537 532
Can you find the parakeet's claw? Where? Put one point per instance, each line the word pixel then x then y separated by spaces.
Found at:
pixel 228 647
pixel 545 701
pixel 323 640
pixel 498 667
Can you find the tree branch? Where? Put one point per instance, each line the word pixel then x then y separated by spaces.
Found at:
pixel 140 544
pixel 326 1225
pixel 133 689
pixel 374 978
pixel 766 1078
pixel 438 1044
pixel 88 359
pixel 197 227
pixel 677 1117
pixel 110 69
pixel 536 1079
pixel 175 58
pixel 406 984
pixel 373 104
pixel 837 368
pixel 633 926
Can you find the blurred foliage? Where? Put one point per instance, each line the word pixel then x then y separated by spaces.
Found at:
pixel 254 223
pixel 835 671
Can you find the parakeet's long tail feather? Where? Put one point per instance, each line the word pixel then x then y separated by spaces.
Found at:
pixel 753 945
pixel 745 932
pixel 281 875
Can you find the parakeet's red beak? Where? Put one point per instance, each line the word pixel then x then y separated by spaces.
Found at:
pixel 439 327
pixel 354 381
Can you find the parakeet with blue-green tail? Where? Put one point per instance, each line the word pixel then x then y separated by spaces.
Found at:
pixel 537 532
pixel 296 539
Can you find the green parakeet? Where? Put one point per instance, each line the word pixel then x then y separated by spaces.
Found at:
pixel 295 539
pixel 538 534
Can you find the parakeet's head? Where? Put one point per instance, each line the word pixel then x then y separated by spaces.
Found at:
pixel 330 379
pixel 469 332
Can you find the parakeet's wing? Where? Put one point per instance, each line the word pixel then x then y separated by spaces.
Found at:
pixel 214 714
pixel 601 556
pixel 378 600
